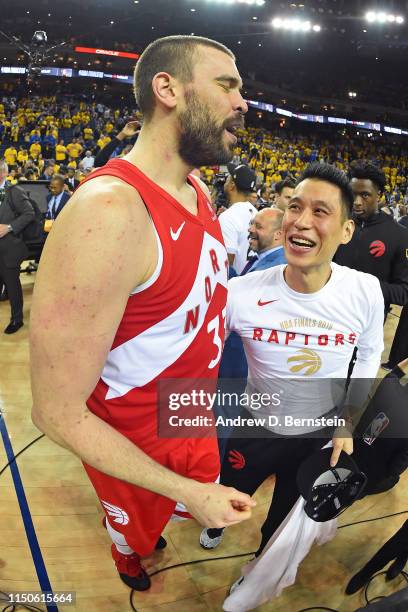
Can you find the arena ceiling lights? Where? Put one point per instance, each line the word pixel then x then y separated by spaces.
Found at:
pixel 248 2
pixel 383 18
pixel 295 25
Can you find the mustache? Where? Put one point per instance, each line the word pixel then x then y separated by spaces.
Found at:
pixel 235 122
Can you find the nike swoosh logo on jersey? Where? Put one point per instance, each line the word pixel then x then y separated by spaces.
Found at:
pixel 176 234
pixel 260 303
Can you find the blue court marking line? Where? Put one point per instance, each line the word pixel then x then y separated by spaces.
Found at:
pixel 26 516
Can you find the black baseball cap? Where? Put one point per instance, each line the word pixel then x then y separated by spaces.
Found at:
pixel 328 491
pixel 244 177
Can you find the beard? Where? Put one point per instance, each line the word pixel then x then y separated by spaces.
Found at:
pixel 201 139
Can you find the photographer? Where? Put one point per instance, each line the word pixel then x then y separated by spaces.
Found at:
pixel 12 248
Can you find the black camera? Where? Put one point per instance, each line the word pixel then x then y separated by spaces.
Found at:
pixel 218 183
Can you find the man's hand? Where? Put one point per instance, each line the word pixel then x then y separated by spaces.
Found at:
pixel 216 506
pixel 4 230
pixel 130 129
pixel 342 441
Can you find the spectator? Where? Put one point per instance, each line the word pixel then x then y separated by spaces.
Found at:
pixel 60 152
pixel 10 156
pixel 35 150
pixel 283 192
pixel 71 181
pixel 12 248
pixel 88 161
pixel 48 172
pixel 235 220
pixel 265 239
pixel 403 220
pixel 264 198
pixel 379 244
pixel 74 149
pixel 131 129
pixel 58 197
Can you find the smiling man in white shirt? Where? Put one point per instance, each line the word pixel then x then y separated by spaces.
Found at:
pixel 299 324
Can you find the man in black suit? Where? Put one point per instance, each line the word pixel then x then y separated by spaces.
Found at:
pixel 71 181
pixel 12 248
pixel 58 197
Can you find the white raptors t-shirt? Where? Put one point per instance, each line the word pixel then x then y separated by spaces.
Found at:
pixel 234 226
pixel 297 343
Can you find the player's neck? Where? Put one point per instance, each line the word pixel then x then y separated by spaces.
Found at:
pixel 155 154
pixel 307 281
pixel 236 198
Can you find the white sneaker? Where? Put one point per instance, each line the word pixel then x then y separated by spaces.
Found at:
pixel 236 584
pixel 209 542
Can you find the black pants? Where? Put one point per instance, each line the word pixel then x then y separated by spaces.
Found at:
pixel 249 462
pixel 395 548
pixel 11 278
pixel 399 348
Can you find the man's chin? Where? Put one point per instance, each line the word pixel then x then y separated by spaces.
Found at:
pixel 228 154
pixel 219 158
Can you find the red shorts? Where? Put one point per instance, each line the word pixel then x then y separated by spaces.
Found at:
pixel 141 515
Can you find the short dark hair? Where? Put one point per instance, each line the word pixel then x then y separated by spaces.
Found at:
pixel 331 174
pixel 287 182
pixel 364 169
pixel 58 177
pixel 172 54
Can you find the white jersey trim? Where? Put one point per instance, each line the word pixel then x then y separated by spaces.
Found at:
pixel 157 270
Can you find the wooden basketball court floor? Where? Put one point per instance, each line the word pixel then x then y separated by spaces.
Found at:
pixel 75 549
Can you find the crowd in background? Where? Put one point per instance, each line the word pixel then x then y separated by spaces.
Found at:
pixel 43 136
pixel 40 137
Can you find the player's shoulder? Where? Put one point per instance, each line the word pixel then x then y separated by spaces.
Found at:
pixel 243 284
pixel 357 282
pixel 226 214
pixel 236 210
pixel 108 192
pixel 401 233
pixel 392 227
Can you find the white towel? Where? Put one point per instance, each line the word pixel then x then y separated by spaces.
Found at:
pixel 276 568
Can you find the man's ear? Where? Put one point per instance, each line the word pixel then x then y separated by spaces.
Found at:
pixel 348 231
pixel 165 89
pixel 232 185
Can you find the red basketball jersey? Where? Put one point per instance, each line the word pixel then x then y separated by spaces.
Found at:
pixel 173 325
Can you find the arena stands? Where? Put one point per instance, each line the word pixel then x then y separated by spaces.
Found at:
pixel 37 130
